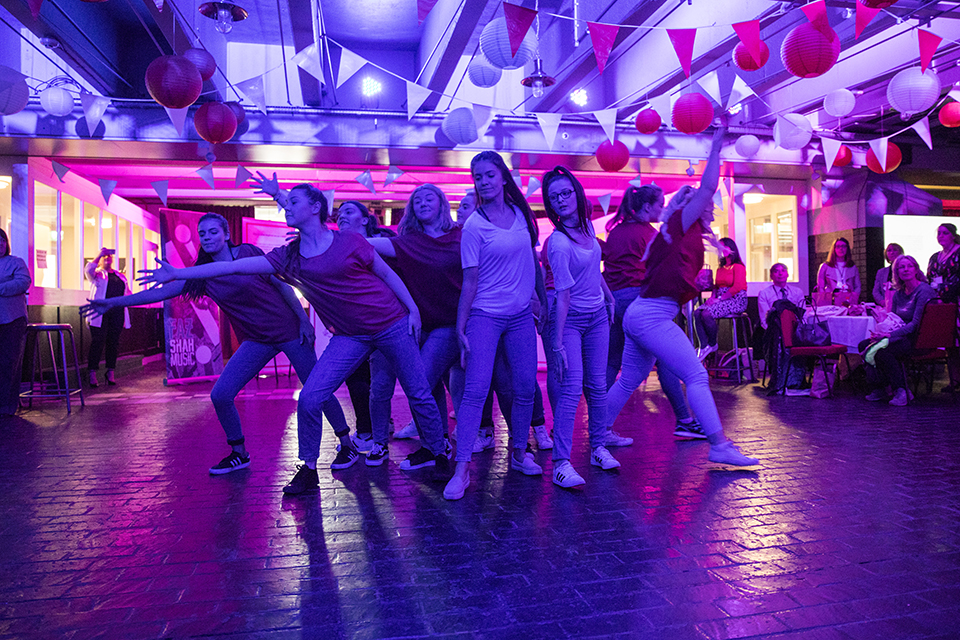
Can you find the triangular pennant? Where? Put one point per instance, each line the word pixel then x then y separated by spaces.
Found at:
pixel 928 46
pixel 682 40
pixel 602 36
pixel 532 185
pixel 879 147
pixel 637 182
pixel 662 105
pixel 393 172
pixel 423 9
pixel 781 125
pixel 178 117
pixel 158 4
pixel 718 200
pixel 749 33
pixel 518 20
pixel 242 176
pixel 831 148
pixel 816 13
pixel 35 7
pixel 366 180
pixel 93 109
pixel 329 194
pixel 517 178
pixel 864 15
pixel 253 90
pixel 608 120
pixel 350 63
pixel 739 92
pixel 711 84
pixel 549 123
pixel 416 96
pixel 59 169
pixel 955 94
pixel 161 187
pixel 922 127
pixel 308 59
pixel 482 117
pixel 206 172
pixel 604 201
pixel 106 188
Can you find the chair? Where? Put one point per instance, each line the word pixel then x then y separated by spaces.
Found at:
pixel 56 389
pixel 936 334
pixel 788 325
pixel 742 329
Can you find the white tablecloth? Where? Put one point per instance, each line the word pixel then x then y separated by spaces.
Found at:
pixel 850 330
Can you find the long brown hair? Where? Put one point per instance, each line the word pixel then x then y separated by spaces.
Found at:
pixel 634 200
pixel 511 192
pixel 832 256
pixel 583 207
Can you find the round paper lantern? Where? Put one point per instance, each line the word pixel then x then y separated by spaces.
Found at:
pixel 894 157
pixel 808 52
pixel 612 156
pixel 844 156
pixel 743 59
pixel 839 103
pixel 911 92
pixel 877 4
pixel 56 101
pixel 495 45
pixel 482 73
pixel 460 126
pixel 215 122
pixel 14 98
pixel 949 114
pixel 173 81
pixel 747 145
pixel 238 111
pixel 795 133
pixel 692 113
pixel 648 121
pixel 204 62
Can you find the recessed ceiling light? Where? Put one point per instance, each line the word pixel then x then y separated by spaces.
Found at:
pixel 579 97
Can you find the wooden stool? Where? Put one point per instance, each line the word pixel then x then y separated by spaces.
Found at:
pixel 41 388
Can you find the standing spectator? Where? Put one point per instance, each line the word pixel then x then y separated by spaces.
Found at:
pixel 105 282
pixel 14 284
pixel 839 274
pixel 883 282
pixel 943 272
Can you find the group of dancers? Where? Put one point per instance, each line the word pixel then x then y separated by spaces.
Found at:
pixel 463 301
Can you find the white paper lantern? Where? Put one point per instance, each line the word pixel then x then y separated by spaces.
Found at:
pixel 56 101
pixel 747 145
pixel 792 131
pixel 495 45
pixel 911 92
pixel 839 103
pixel 482 73
pixel 460 126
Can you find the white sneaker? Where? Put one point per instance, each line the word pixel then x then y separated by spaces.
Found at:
pixel 483 442
pixel 727 453
pixel 706 351
pixel 901 397
pixel 603 459
pixel 544 441
pixel 564 475
pixel 456 488
pixel 614 439
pixel 363 442
pixel 528 467
pixel 409 431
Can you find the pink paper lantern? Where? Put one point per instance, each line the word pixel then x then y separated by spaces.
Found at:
pixel 950 114
pixel 692 113
pixel 14 98
pixel 894 157
pixel 743 59
pixel 612 156
pixel 844 156
pixel 648 121
pixel 808 52
pixel 173 81
pixel 215 122
pixel 238 111
pixel 204 62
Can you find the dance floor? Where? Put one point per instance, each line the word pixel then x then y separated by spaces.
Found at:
pixel 111 527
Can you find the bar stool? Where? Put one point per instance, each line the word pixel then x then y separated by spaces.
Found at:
pixel 742 330
pixel 54 389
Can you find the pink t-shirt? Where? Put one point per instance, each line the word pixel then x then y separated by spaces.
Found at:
pixel 623 251
pixel 430 267
pixel 341 286
pixel 672 267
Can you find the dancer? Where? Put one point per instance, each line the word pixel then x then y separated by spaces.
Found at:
pixel 674 258
pixel 266 315
pixel 105 282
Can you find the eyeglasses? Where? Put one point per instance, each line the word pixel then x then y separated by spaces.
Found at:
pixel 560 196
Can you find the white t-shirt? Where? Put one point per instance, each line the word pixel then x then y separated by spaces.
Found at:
pixel 504 258
pixel 576 268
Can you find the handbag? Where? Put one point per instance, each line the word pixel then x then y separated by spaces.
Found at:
pixel 812 334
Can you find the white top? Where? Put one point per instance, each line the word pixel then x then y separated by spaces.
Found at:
pixel 845 276
pixel 98 291
pixel 505 277
pixel 577 268
pixel 773 293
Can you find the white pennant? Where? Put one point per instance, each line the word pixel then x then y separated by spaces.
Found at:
pixel 831 148
pixel 158 4
pixel 329 194
pixel 350 63
pixel 549 124
pixel 178 117
pixel 93 109
pixel 366 180
pixel 718 200
pixel 308 59
pixel 955 94
pixel 662 104
pixel 740 92
pixel 636 182
pixel 59 169
pixel 161 187
pixel 604 201
pixel 608 121
pixel 242 176
pixel 532 185
pixel 393 172
pixel 106 188
pixel 922 127
pixel 879 147
pixel 711 84
pixel 482 117
pixel 206 172
pixel 416 96
pixel 253 90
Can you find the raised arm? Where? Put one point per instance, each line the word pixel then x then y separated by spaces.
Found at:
pixel 383 246
pixel 307 333
pixel 166 273
pixel 709 181
pixel 396 285
pixel 271 187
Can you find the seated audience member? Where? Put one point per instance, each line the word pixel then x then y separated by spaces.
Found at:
pixel 779 290
pixel 883 282
pixel 729 297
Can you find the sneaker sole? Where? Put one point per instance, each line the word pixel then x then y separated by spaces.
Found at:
pixel 220 472
pixel 527 471
pixel 458 495
pixel 569 483
pixel 410 467
pixel 599 465
pixel 688 434
pixel 347 465
pixel 298 493
pixel 376 463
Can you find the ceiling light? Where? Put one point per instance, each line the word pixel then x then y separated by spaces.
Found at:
pixel 752 198
pixel 538 79
pixel 370 87
pixel 579 97
pixel 224 13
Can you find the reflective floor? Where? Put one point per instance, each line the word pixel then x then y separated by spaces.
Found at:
pixel 110 526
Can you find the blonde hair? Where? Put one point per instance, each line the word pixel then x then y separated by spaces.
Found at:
pixel 898 284
pixel 409 223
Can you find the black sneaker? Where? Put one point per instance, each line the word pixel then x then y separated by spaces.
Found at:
pixel 690 430
pixel 305 480
pixel 232 462
pixel 346 458
pixel 419 459
pixel 378 455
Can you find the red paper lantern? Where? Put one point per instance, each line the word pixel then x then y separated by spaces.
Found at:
pixel 204 62
pixel 238 111
pixel 692 113
pixel 950 114
pixel 743 59
pixel 877 4
pixel 648 121
pixel 893 159
pixel 808 52
pixel 613 156
pixel 173 81
pixel 844 156
pixel 215 122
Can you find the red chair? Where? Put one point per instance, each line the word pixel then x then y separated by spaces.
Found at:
pixel 936 334
pixel 788 325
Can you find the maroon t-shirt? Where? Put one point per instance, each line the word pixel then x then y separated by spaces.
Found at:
pixel 255 308
pixel 430 267
pixel 341 286
pixel 623 252
pixel 672 267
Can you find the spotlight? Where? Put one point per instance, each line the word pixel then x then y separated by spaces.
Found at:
pixel 370 87
pixel 224 14
pixel 579 97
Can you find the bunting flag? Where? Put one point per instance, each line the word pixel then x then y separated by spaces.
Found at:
pixel 393 172
pixel 749 33
pixel 59 169
pixel 604 201
pixel 161 187
pixel 482 117
pixel 602 36
pixel 831 148
pixel 816 13
pixel 206 172
pixel 711 84
pixel 329 194
pixel 308 59
pixel 662 105
pixel 242 176
pixel 549 123
pixel 106 188
pixel 532 185
pixel 955 94
pixel 608 120
pixel 159 5
pixel 178 117
pixel 879 147
pixel 253 90
pixel 350 63
pixel 423 9
pixel 35 7
pixel 718 200
pixel 636 182
pixel 517 178
pixel 682 40
pixel 864 15
pixel 740 91
pixel 922 127
pixel 93 109
pixel 928 46
pixel 367 180
pixel 518 20
pixel 416 96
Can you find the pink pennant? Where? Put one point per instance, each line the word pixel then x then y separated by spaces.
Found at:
pixel 749 33
pixel 864 15
pixel 423 8
pixel 928 46
pixel 816 13
pixel 682 40
pixel 602 36
pixel 35 7
pixel 519 20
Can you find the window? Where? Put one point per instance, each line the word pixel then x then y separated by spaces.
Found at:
pixel 5 194
pixel 771 234
pixel 123 248
pixel 71 242
pixel 91 233
pixel 45 235
pixel 108 231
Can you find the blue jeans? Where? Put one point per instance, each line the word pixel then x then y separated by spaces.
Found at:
pixel 342 355
pixel 439 350
pixel 484 333
pixel 244 365
pixel 585 341
pixel 653 336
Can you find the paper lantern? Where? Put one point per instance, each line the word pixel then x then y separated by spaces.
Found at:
pixel 747 145
pixel 949 114
pixel 894 157
pixel 808 52
pixel 14 98
pixel 460 126
pixel 612 156
pixel 215 122
pixel 495 45
pixel 793 131
pixel 911 92
pixel 743 59
pixel 56 101
pixel 482 73
pixel 839 103
pixel 173 81
pixel 204 62
pixel 877 4
pixel 844 156
pixel 238 111
pixel 692 113
pixel 648 121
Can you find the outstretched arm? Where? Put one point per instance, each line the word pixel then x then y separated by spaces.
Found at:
pixel 271 187
pixel 396 285
pixel 157 294
pixel 246 266
pixel 703 197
